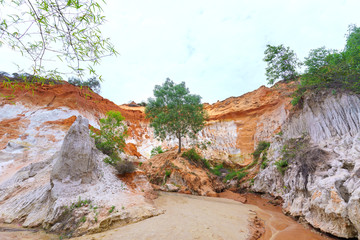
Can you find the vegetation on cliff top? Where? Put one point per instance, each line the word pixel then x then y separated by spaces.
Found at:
pixel 324 68
pixel 175 112
pixel 92 83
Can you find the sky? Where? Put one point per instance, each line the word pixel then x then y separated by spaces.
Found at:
pixel 215 47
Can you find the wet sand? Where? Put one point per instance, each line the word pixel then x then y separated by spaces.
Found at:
pixel 279 226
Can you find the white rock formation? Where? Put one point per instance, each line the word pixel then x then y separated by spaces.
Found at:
pixel 73 191
pixel 322 183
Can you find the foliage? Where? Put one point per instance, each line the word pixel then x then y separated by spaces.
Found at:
pixel 111 137
pixel 156 150
pixel 80 203
pixel 333 69
pixel 203 145
pixel 5 74
pixel 316 60
pixel 111 209
pixel 281 63
pixel 192 155
pixel 264 164
pixel 261 147
pixel 47 29
pixel 124 166
pixel 75 81
pixel 167 173
pixel 296 100
pixel 324 68
pixel 238 174
pixel 175 111
pixel 83 219
pixel 92 83
pixel 216 170
pixel 143 104
pixel 282 165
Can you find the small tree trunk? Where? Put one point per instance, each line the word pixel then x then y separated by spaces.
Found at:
pixel 179 151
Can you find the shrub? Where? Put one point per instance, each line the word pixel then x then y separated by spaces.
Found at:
pixel 80 203
pixel 262 145
pixel 296 100
pixel 92 83
pixel 111 209
pixel 111 137
pixel 216 169
pixel 192 155
pixel 124 166
pixel 143 104
pixel 264 164
pixel 238 174
pixel 112 159
pixel 206 163
pixel 282 165
pixel 156 150
pixel 75 81
pixel 167 173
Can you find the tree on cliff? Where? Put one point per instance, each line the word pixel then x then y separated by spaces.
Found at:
pixel 93 83
pixel 175 111
pixel 281 63
pixel 53 29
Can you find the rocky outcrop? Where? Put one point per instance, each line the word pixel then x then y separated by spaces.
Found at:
pixel 321 184
pixel 173 173
pixel 73 191
pixel 77 156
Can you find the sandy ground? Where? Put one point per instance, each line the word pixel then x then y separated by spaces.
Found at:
pixel 188 217
pixel 14 232
pixel 195 217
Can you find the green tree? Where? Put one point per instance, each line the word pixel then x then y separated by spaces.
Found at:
pixel 334 69
pixel 316 60
pixel 175 111
pixel 92 83
pixel 281 63
pixel 48 29
pixel 111 137
pixel 352 48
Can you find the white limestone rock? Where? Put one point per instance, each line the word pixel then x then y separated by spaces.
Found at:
pixel 327 194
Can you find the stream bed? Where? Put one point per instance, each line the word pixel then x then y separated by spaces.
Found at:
pixel 193 217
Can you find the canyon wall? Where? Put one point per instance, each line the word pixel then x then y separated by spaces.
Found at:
pixel 322 181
